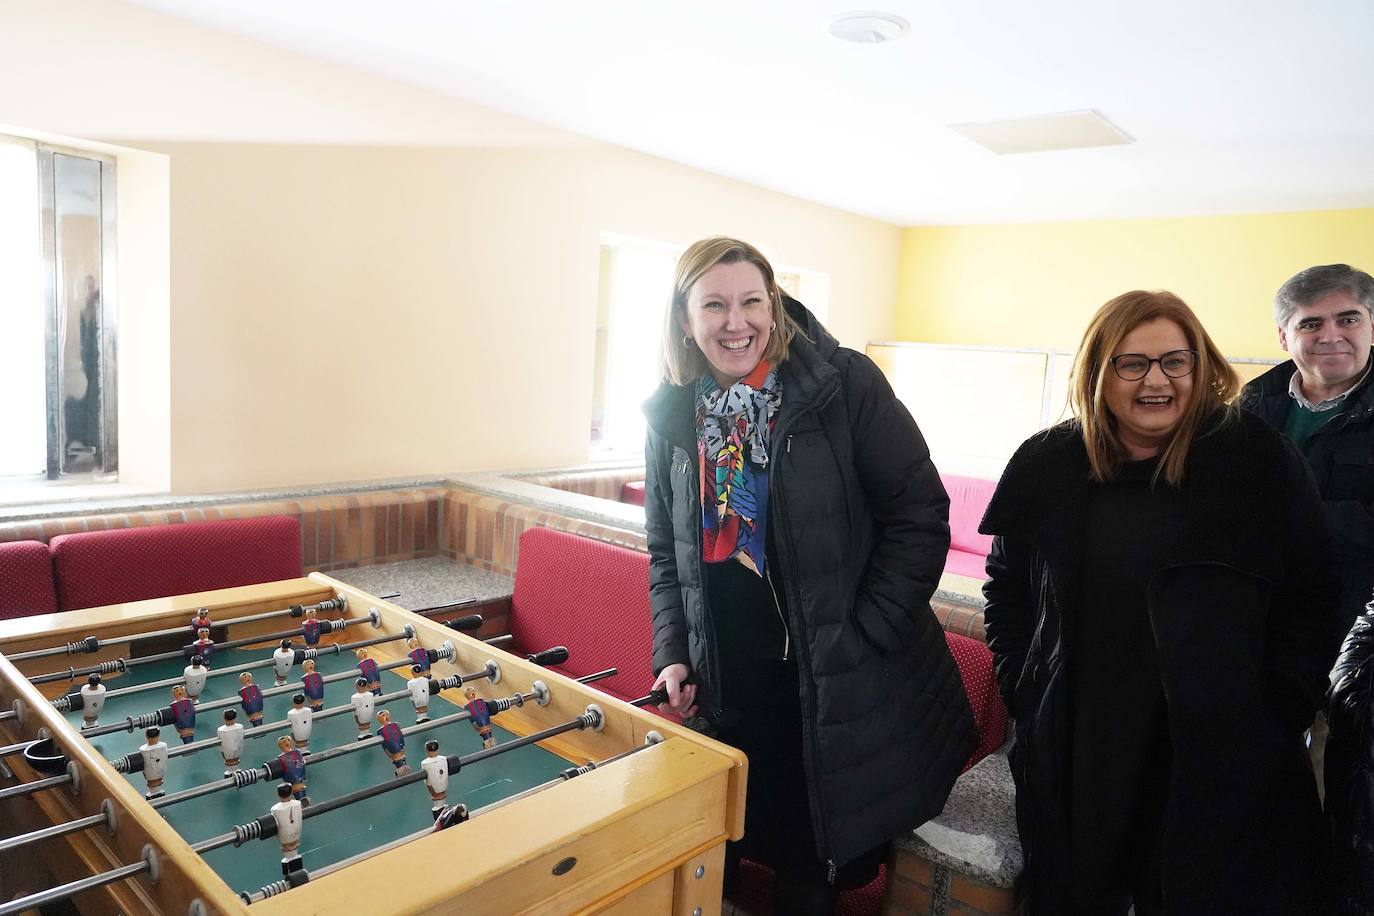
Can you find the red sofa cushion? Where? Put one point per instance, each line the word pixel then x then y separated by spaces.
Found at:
pixel 633 493
pixel 590 596
pixel 95 568
pixel 968 500
pixel 26 584
pixel 989 715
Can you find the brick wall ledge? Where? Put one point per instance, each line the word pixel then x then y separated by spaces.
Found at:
pixel 968 858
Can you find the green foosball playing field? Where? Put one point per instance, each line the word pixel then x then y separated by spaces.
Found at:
pixel 333 836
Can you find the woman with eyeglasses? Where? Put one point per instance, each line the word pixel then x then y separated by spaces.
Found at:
pixel 1162 612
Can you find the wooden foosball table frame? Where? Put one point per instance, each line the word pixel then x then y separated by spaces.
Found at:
pixel 642 835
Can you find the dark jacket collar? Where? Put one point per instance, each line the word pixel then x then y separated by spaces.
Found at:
pixel 808 380
pixel 1233 493
pixel 1268 397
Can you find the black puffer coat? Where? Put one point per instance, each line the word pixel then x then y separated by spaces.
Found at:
pixel 1350 768
pixel 1341 456
pixel 859 518
pixel 1245 622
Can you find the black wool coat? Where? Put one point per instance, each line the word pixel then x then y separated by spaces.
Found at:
pixel 1245 622
pixel 1350 769
pixel 859 520
pixel 1341 456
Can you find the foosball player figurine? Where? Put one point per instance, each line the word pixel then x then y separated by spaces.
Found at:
pixel 451 816
pixel 154 754
pixel 393 742
pixel 419 693
pixel 480 717
pixel 302 720
pixel 183 714
pixel 204 646
pixel 370 671
pixel 364 703
pixel 230 736
pixel 251 696
pixel 92 701
pixel 201 621
pixel 435 766
pixel 292 764
pixel 312 685
pixel 282 659
pixel 289 817
pixel 310 628
pixel 195 673
pixel 419 655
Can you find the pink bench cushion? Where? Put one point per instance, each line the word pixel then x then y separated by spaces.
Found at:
pixel 963 563
pixel 975 668
pixel 26 586
pixel 95 568
pixel 590 596
pixel 968 500
pixel 633 493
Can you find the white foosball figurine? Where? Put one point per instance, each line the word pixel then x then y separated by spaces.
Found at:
pixel 435 766
pixel 364 704
pixel 288 815
pixel 230 741
pixel 282 660
pixel 196 673
pixel 419 693
pixel 154 754
pixel 302 719
pixel 92 701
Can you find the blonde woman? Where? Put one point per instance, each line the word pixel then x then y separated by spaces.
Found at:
pixel 797 529
pixel 1161 607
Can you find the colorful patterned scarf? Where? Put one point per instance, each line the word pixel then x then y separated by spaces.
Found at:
pixel 733 425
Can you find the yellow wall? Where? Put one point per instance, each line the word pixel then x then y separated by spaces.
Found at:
pixel 1037 284
pixel 372 280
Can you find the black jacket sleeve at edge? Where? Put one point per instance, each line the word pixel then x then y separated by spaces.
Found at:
pixel 665 595
pixel 1009 616
pixel 909 507
pixel 1304 628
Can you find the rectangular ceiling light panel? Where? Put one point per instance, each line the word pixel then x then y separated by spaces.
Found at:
pixel 1043 133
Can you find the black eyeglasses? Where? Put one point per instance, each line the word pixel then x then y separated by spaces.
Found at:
pixel 1132 367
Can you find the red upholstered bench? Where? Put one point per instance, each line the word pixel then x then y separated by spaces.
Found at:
pixel 590 596
pixel 26 581
pixel 633 493
pixel 980 683
pixel 96 568
pixel 968 500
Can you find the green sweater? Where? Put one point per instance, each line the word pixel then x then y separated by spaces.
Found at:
pixel 1300 423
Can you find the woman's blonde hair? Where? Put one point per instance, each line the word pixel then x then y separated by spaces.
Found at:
pixel 680 360
pixel 1215 383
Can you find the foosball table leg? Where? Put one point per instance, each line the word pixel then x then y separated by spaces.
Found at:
pixel 698 883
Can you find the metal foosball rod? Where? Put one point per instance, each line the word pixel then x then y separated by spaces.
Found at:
pixel 120 664
pixel 247 777
pixel 265 772
pixel 304 877
pixel 162 716
pixel 37 785
pixel 266 827
pixel 91 644
pixel 150 863
pixel 67 702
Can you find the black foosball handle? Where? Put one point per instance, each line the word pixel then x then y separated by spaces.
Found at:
pixel 556 655
pixel 652 698
pixel 465 624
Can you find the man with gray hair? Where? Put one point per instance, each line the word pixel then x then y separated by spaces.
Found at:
pixel 1323 400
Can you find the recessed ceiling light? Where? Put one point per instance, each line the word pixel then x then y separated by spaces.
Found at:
pixel 1044 133
pixel 868 27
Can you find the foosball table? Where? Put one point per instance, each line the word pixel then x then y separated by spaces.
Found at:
pixel 303 747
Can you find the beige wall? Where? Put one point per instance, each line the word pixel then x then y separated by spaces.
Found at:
pixel 352 300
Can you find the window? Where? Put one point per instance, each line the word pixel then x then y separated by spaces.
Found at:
pixel 57 314
pixel 635 282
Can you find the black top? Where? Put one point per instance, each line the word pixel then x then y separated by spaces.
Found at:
pixel 1120 735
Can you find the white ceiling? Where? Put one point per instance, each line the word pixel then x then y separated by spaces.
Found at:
pixel 1236 105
